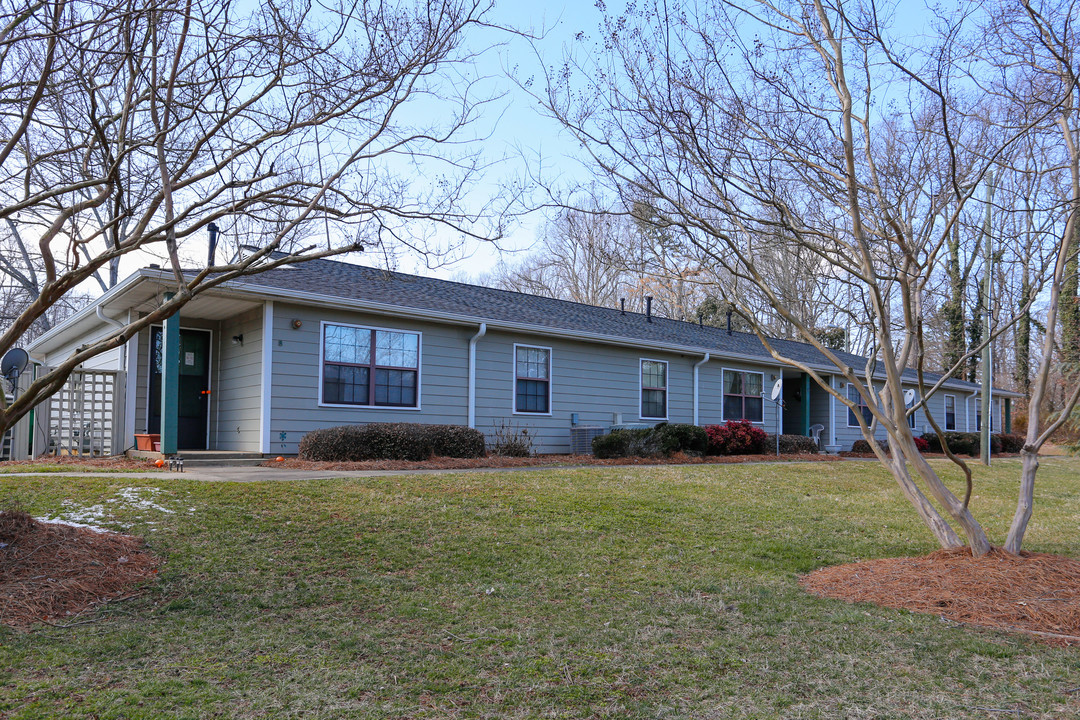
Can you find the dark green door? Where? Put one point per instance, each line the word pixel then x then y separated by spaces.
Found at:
pixel 194 394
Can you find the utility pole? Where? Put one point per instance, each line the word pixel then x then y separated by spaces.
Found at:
pixel 987 356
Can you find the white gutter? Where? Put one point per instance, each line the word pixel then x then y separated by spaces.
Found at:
pixel 696 366
pixel 472 373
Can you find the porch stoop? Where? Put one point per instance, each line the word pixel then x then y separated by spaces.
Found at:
pixel 206 458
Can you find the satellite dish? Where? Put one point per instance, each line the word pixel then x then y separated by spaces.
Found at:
pixel 909 396
pixel 777 388
pixel 14 362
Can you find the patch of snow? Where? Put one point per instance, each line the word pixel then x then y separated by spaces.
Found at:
pixel 129 498
pixel 69 523
pixel 132 497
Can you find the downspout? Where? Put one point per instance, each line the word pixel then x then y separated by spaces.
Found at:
pixel 472 373
pixel 696 366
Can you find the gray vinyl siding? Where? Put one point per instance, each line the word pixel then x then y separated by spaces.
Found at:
pixel 295 408
pixel 598 382
pixel 819 410
pixel 711 393
pixel 237 384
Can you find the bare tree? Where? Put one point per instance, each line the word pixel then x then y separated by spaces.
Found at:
pixel 130 127
pixel 744 125
pixel 1036 50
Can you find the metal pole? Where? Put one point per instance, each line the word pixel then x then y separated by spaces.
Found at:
pixel 987 357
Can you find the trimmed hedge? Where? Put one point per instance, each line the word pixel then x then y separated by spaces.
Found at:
pixel 736 437
pixel 861 446
pixel 660 441
pixel 791 445
pixel 390 441
pixel 1012 443
pixel 682 437
pixel 964 443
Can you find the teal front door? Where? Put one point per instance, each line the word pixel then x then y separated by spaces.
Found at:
pixel 194 394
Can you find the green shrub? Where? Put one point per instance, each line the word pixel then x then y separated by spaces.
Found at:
pixel 682 437
pixel 390 441
pixel 1011 443
pixel 660 441
pixel 612 445
pixel 863 447
pixel 963 443
pixel 792 445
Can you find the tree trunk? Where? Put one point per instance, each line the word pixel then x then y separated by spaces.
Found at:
pixel 1029 459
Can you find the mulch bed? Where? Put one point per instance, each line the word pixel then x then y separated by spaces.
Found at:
pixel 117 463
pixel 494 461
pixel 51 572
pixel 1033 593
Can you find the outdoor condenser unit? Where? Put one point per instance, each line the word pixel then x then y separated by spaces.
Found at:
pixel 581 438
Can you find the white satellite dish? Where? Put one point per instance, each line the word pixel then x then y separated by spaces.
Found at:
pixel 909 396
pixel 777 389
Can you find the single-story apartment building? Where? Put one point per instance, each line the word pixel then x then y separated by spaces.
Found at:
pixel 265 359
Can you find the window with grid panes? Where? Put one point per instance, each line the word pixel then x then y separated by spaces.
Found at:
pixel 532 379
pixel 950 412
pixel 742 396
pixel 653 389
pixel 854 396
pixel 370 367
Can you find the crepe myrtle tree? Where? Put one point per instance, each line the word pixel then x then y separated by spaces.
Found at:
pixel 127 128
pixel 1035 48
pixel 803 123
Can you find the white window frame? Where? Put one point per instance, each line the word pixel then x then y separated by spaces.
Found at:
pixel 387 408
pixel 514 379
pixel 945 411
pixel 642 388
pixel 911 418
pixel 723 392
pixel 847 410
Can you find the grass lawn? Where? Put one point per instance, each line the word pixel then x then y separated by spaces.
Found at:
pixel 606 592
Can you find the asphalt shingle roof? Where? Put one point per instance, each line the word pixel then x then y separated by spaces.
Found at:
pixel 484 304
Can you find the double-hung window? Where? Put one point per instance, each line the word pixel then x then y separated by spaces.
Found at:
pixel 370 367
pixel 742 396
pixel 654 389
pixel 532 379
pixel 911 416
pixel 856 397
pixel 950 412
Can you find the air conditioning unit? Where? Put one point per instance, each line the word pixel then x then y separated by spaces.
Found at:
pixel 581 438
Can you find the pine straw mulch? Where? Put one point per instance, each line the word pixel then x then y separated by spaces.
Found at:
pixel 112 463
pixel 497 461
pixel 51 572
pixel 1032 593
